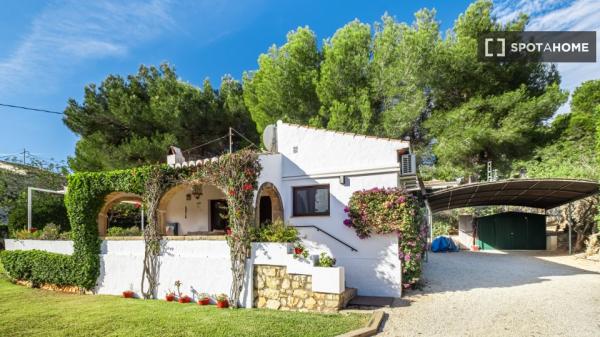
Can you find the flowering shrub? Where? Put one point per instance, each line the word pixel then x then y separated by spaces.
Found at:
pixel 385 211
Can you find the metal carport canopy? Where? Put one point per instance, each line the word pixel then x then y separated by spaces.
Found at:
pixel 537 193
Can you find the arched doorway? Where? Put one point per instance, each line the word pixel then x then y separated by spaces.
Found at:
pixel 269 206
pixel 111 200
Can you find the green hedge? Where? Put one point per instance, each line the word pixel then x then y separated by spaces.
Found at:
pixel 39 267
pixel 84 199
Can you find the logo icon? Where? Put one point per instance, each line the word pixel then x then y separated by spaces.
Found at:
pixel 500 40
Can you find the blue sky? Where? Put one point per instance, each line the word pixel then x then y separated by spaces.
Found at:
pixel 51 50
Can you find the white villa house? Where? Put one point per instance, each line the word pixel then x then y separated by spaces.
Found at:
pixel 308 176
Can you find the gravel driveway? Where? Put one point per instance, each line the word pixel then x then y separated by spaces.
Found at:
pixel 499 294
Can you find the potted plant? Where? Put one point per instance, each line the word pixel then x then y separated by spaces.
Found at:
pixel 300 251
pixel 222 301
pixel 326 260
pixel 203 299
pixel 177 286
pixel 128 294
pixel 185 299
pixel 170 297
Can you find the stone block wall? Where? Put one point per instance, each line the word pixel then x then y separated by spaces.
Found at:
pixel 275 289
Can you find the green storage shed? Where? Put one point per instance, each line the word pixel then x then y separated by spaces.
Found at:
pixel 512 230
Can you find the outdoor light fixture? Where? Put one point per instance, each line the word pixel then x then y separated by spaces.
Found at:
pixel 342 180
pixel 197 191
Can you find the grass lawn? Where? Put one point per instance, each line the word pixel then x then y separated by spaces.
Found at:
pixel 35 312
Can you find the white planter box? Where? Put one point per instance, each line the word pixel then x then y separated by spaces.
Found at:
pixel 328 280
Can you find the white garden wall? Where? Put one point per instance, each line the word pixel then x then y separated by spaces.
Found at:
pixel 60 247
pixel 203 266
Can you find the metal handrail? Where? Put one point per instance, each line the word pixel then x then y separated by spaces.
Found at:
pixel 326 233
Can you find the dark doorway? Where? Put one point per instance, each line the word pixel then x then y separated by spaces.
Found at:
pixel 265 210
pixel 218 215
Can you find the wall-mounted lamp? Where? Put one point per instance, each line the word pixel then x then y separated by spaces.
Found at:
pixel 197 191
pixel 342 180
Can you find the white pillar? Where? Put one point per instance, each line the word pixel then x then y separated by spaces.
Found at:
pixel 29 211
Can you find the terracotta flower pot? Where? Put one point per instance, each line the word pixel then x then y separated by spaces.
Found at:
pixel 170 298
pixel 185 299
pixel 128 294
pixel 223 304
pixel 204 301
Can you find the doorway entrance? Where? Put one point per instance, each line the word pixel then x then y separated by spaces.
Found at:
pixel 218 215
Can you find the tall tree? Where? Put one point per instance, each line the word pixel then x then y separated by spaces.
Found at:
pixel 343 86
pixel 283 87
pixel 129 122
pixel 402 70
pixel 486 110
pixel 570 149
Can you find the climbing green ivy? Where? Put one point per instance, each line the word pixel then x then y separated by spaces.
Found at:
pixel 235 174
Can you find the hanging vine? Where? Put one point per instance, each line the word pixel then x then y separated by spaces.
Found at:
pixel 157 183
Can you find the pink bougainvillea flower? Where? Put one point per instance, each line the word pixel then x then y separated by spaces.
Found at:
pixel 348 222
pixel 248 187
pixel 346 209
pixel 407 257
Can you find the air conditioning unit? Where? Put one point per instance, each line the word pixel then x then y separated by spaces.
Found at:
pixel 408 164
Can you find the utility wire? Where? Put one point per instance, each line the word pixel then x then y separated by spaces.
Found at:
pixel 32 109
pixel 241 135
pixel 201 145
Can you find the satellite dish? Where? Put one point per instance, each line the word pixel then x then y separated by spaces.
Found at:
pixel 270 138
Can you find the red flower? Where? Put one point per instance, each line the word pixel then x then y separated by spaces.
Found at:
pixel 248 187
pixel 298 250
pixel 33 230
pixel 232 192
pixel 228 231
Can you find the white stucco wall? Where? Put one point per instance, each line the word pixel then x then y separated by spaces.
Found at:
pixel 198 210
pixel 200 265
pixel 60 247
pixel 321 157
pixel 317 151
pixel 203 266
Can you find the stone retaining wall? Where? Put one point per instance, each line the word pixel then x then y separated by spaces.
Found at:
pixel 275 289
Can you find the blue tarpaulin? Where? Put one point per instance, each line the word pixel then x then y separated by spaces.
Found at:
pixel 443 244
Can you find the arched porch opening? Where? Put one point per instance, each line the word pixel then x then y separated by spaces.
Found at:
pixel 192 209
pixel 269 205
pixel 110 201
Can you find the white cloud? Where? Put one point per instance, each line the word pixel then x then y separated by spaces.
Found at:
pixel 560 15
pixel 66 34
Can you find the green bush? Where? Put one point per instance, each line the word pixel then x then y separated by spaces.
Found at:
pixel 47 208
pixel 441 227
pixel 119 231
pixel 277 231
pixel 39 267
pixel 326 260
pixel 49 232
pixel 24 234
